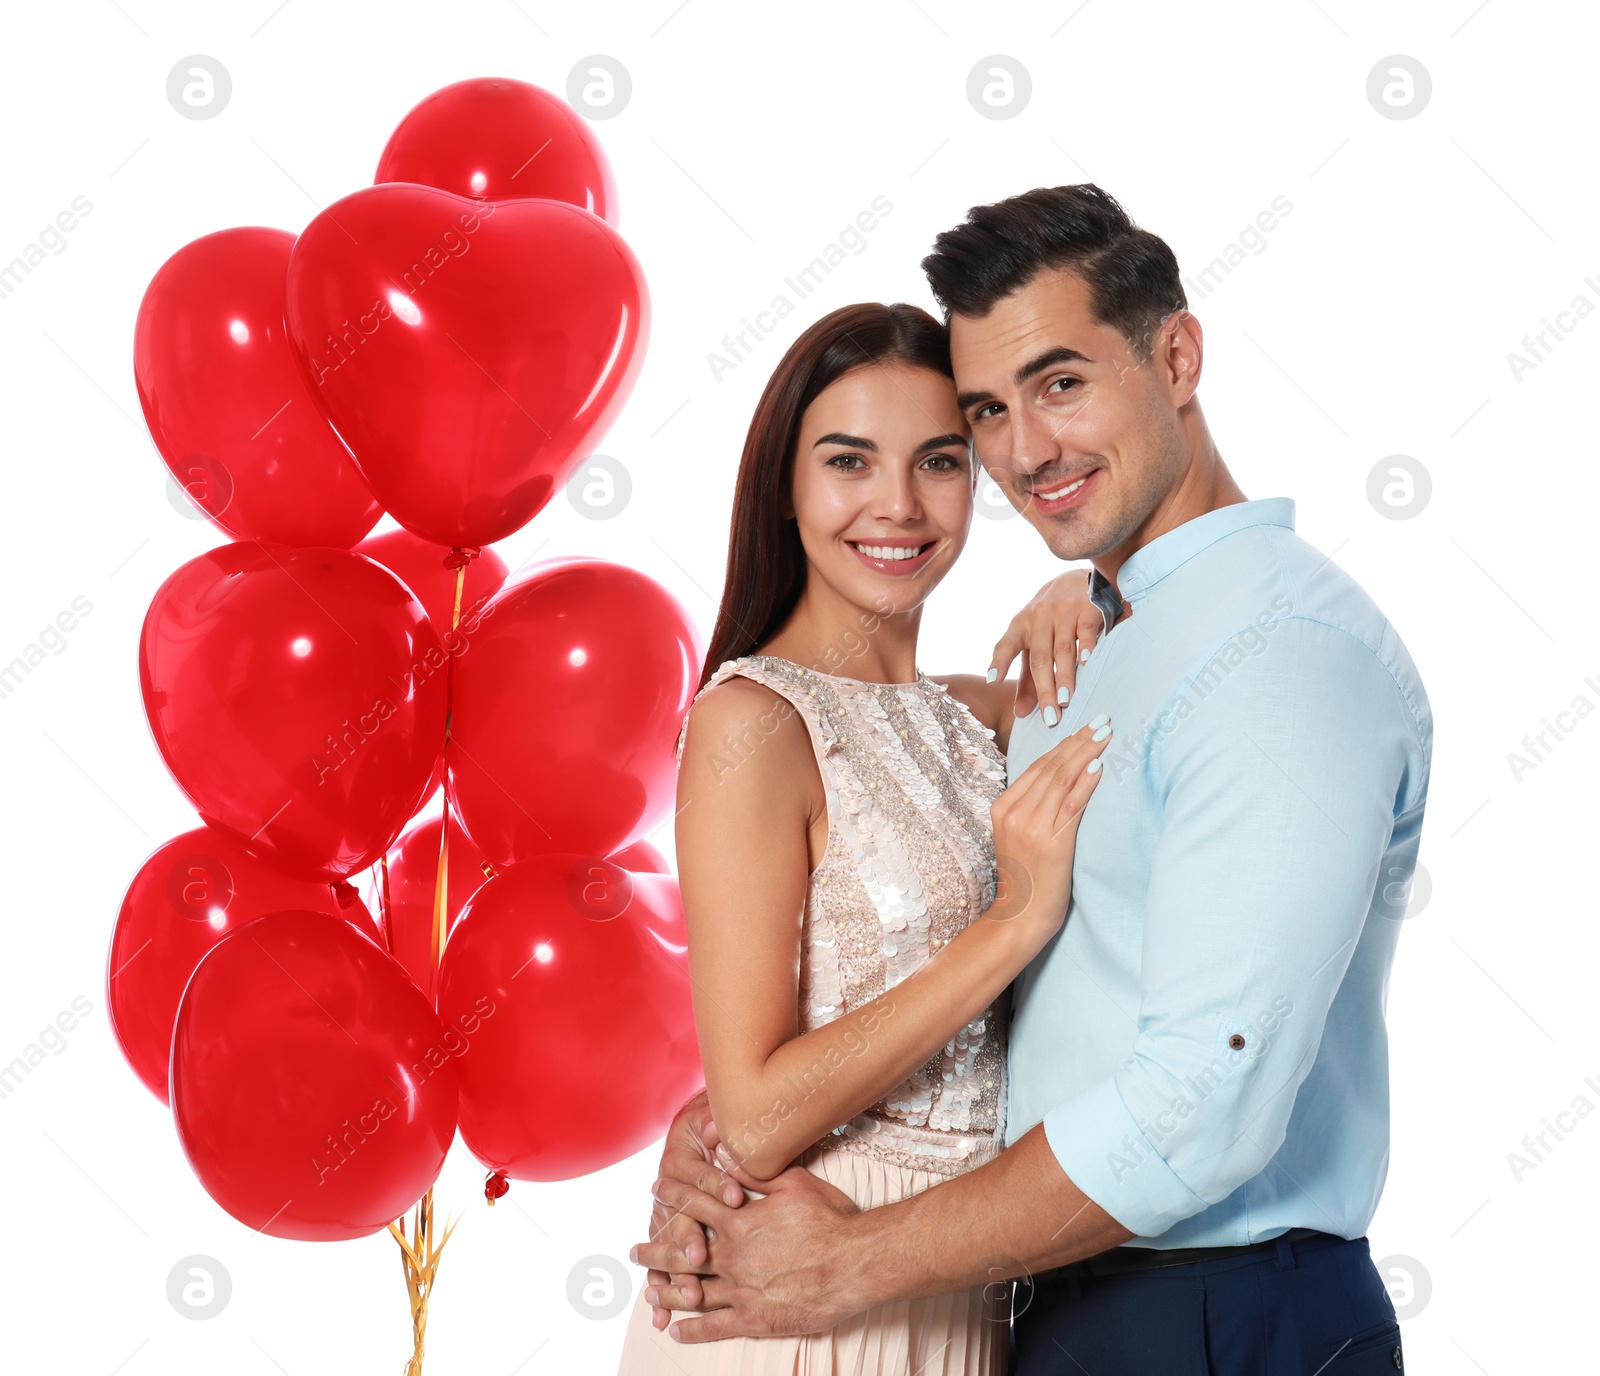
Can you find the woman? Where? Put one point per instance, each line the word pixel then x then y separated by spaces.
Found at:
pixel 851 936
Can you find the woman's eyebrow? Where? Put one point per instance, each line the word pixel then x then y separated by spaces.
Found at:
pixel 853 441
pixel 939 443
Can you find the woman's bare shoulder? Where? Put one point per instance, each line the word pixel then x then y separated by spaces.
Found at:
pixel 727 703
pixel 730 722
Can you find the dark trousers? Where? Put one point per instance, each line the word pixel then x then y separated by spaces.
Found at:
pixel 1312 1307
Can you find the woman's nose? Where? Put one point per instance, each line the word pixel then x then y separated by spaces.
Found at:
pixel 895 496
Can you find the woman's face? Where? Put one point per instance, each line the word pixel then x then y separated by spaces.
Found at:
pixel 883 484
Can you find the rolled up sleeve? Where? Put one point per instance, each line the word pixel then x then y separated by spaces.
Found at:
pixel 1280 771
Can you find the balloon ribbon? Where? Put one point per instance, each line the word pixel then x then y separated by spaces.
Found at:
pixel 419 1255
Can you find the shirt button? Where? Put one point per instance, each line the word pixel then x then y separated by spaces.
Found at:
pixel 1395 1358
pixel 1236 1042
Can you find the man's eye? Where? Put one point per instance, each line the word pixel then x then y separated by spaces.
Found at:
pixel 987 410
pixel 1065 383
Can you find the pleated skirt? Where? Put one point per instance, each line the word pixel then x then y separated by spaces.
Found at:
pixel 957 1334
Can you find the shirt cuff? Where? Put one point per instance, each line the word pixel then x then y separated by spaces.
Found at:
pixel 1107 1156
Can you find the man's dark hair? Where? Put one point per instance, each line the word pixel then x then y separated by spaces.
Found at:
pixel 1132 275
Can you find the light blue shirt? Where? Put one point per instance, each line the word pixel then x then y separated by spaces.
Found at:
pixel 1204 1039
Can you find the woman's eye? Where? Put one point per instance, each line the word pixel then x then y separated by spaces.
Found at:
pixel 846 461
pixel 943 463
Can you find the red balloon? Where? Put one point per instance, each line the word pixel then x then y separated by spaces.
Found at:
pixel 313 1088
pixel 664 911
pixel 435 782
pixel 420 566
pixel 660 910
pixel 226 403
pixel 469 353
pixel 298 697
pixel 186 897
pixel 591 1048
pixel 642 858
pixel 500 139
pixel 413 868
pixel 567 710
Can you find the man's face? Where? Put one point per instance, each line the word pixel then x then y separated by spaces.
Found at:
pixel 1083 438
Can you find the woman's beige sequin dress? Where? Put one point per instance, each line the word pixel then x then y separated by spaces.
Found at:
pixel 909 776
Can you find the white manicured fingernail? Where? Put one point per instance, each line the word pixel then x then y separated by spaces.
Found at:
pixel 1083 656
pixel 1051 716
pixel 1062 694
pixel 991 676
pixel 1101 720
pixel 1101 734
pixel 1094 766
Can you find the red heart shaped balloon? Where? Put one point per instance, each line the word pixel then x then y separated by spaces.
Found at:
pixel 468 352
pixel 227 405
pixel 502 139
pixel 566 708
pixel 313 1087
pixel 188 896
pixel 592 1045
pixel 298 697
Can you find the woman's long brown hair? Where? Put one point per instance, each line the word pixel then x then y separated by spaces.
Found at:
pixel 766 562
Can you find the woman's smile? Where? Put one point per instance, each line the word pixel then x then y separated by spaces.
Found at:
pixel 897 557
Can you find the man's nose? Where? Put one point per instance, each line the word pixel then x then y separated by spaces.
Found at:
pixel 1035 440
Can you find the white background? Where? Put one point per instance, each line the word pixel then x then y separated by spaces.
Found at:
pixel 1376 320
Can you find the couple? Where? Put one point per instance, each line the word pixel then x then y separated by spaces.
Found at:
pixel 1152 966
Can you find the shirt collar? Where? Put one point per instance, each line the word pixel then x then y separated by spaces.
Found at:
pixel 1103 593
pixel 1150 563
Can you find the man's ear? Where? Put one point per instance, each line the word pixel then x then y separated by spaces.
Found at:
pixel 1181 339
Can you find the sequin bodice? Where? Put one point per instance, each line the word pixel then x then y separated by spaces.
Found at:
pixel 909 775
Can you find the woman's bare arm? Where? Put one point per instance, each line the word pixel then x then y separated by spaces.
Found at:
pixel 750 805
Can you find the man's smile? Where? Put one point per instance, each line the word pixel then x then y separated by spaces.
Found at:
pixel 1060 494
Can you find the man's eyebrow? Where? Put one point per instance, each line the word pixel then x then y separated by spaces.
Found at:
pixel 939 442
pixel 1048 359
pixel 1032 368
pixel 853 441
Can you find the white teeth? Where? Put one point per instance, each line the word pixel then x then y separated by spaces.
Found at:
pixel 890 551
pixel 1058 493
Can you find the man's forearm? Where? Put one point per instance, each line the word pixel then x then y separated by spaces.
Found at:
pixel 1018 1215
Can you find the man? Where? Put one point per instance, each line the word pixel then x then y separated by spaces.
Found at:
pixel 1198 1120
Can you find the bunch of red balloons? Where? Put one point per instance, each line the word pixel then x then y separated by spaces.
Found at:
pixel 445 346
